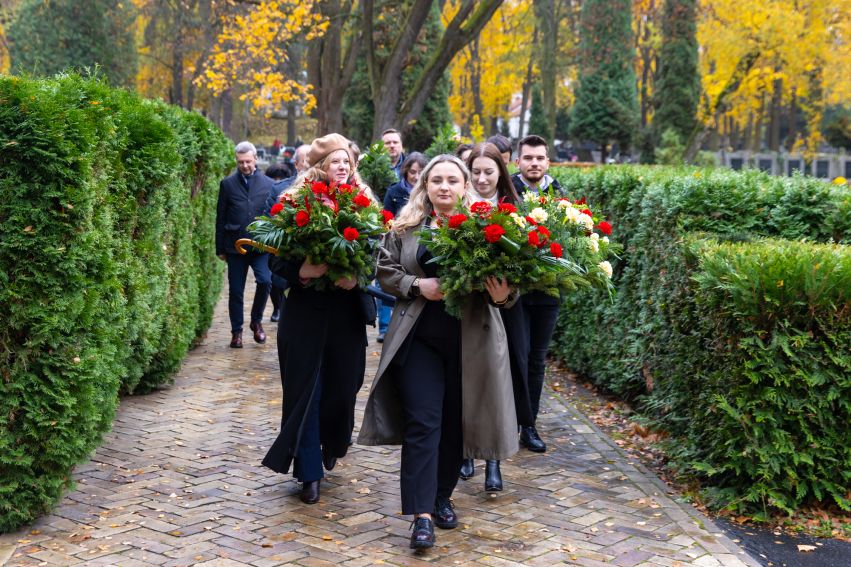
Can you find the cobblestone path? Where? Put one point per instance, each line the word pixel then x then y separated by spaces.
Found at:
pixel 178 482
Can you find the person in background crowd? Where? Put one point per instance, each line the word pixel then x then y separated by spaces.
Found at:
pixel 321 346
pixel 540 310
pixel 279 284
pixel 393 142
pixel 443 386
pixel 492 183
pixel 463 151
pixel 242 198
pixel 503 144
pixel 398 193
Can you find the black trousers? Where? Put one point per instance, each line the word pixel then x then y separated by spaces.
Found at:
pixel 429 382
pixel 540 324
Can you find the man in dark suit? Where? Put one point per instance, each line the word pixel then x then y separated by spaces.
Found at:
pixel 242 197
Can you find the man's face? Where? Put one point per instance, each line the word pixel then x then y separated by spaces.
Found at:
pixel 246 163
pixel 393 143
pixel 533 162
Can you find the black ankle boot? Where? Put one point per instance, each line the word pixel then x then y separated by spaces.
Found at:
pixel 530 439
pixel 423 533
pixel 468 469
pixel 493 477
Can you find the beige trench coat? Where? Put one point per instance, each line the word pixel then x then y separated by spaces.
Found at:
pixel 487 398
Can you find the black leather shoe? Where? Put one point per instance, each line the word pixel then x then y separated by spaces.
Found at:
pixel 444 514
pixel 380 337
pixel 493 478
pixel 310 492
pixel 468 469
pixel 423 533
pixel 259 334
pixel 329 461
pixel 236 340
pixel 276 316
pixel 530 439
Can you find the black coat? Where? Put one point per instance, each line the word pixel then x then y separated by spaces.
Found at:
pixel 520 187
pixel 238 207
pixel 319 332
pixel 397 197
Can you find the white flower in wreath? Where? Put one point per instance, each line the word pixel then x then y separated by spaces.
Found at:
pixel 572 215
pixel 606 239
pixel 606 267
pixel 518 220
pixel 539 215
pixel 530 197
pixel 594 236
pixel 585 220
pixel 595 244
pixel 564 203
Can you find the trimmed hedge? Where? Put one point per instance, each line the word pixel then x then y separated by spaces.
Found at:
pixel 723 331
pixel 107 267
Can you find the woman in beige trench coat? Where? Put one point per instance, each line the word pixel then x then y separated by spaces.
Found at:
pixel 443 387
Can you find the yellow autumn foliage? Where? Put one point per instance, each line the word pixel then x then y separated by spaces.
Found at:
pixel 803 48
pixel 248 55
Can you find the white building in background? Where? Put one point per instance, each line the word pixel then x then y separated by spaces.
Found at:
pixel 514 115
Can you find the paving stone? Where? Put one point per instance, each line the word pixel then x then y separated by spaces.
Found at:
pixel 178 482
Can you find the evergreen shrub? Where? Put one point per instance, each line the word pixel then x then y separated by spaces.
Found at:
pixel 107 267
pixel 684 341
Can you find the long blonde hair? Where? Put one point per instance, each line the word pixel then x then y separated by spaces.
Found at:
pixel 317 173
pixel 419 207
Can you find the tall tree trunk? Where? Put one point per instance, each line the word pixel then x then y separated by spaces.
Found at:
pixel 545 13
pixel 646 61
pixel 776 111
pixel 527 85
pixel 227 113
pixel 476 79
pixel 792 122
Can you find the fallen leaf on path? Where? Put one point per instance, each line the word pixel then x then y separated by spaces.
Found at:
pixel 805 548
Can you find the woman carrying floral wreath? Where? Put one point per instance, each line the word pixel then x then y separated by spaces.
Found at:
pixel 443 387
pixel 321 341
pixel 492 184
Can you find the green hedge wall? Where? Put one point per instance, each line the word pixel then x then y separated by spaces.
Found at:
pixel 730 327
pixel 107 267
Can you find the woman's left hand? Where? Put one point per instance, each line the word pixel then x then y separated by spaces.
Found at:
pixel 346 283
pixel 498 289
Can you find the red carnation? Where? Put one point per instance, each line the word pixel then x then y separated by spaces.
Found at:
pixel 319 187
pixel 276 208
pixel 388 216
pixel 587 212
pixel 457 220
pixel 493 232
pixel 361 200
pixel 350 234
pixel 530 220
pixel 302 218
pixel 581 201
pixel 507 208
pixel 344 188
pixel 544 230
pixel 534 239
pixel 556 250
pixel 604 227
pixel 481 208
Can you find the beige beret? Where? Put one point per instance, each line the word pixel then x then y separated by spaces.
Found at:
pixel 323 146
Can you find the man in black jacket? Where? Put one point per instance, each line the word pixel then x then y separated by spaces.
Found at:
pixel 242 197
pixel 540 310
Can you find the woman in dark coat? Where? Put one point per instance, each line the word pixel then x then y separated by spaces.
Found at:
pixel 321 348
pixel 443 386
pixel 492 183
pixel 397 194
